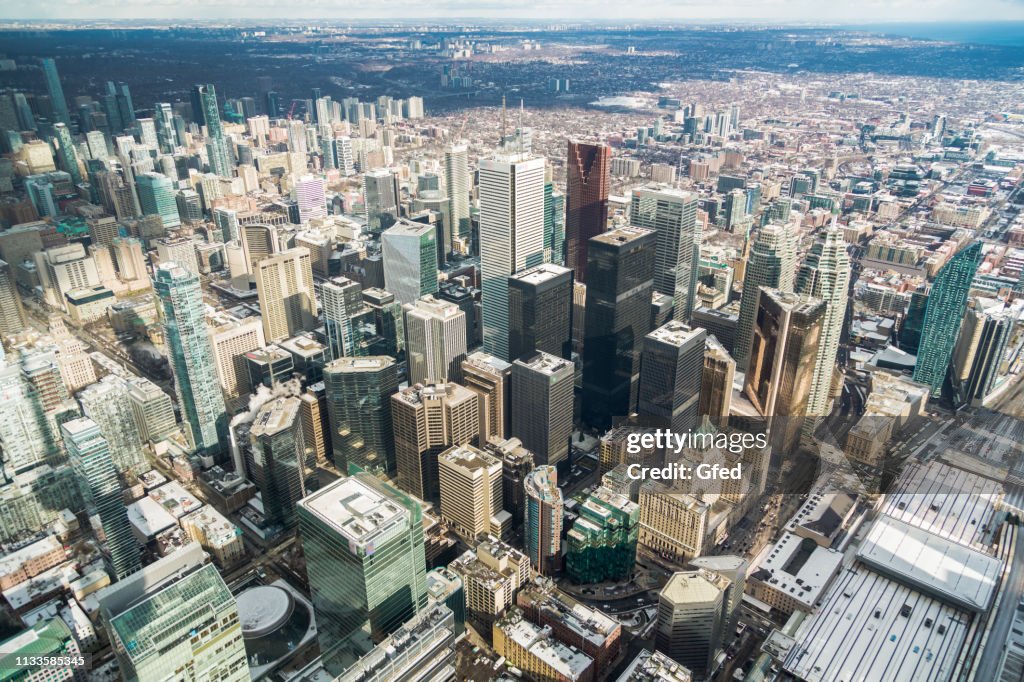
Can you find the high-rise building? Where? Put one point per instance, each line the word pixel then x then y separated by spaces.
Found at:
pixel 156 197
pixel 491 379
pixel 363 543
pixel 152 410
pixel 101 491
pixel 670 375
pixel 825 274
pixel 516 464
pixel 55 91
pixel 540 311
pixel 177 611
pixel 279 459
pixel 471 492
pixel 601 545
pixel 232 339
pixel 31 653
pixel 191 357
pixel 12 315
pixel 620 274
pixel 586 201
pixel 981 350
pixel 943 316
pixel 542 519
pixel 491 575
pixel 542 405
pixel 554 223
pixel 66 152
pixel 435 340
pixel 410 260
pixel 716 383
pixel 691 607
pixel 310 197
pixel 427 420
pixel 457 181
pixel 359 412
pixel 107 403
pixel 672 214
pixel 180 250
pixel 511 236
pixel 381 198
pixel 341 302
pixel 284 282
pixel 772 263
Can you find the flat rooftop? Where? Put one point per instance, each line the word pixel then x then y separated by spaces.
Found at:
pixel 357 511
pixel 654 667
pixel 545 363
pixel 568 662
pixel 372 363
pixel 798 567
pixel 694 587
pixel 621 235
pixel 941 568
pixel 276 416
pixel 468 457
pixel 541 274
pixel 676 333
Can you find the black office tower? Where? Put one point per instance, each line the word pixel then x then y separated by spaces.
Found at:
pixel 540 312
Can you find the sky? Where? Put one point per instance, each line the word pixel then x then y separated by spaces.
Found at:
pixel 773 11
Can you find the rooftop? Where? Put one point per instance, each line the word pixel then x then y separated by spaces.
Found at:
pixel 798 567
pixel 276 416
pixel 541 274
pixel 676 333
pixel 694 587
pixel 356 510
pixel 621 235
pixel 373 363
pixel 539 642
pixel 654 667
pixel 545 363
pixel 468 458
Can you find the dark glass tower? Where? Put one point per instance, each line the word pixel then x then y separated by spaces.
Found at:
pixel 586 201
pixel 540 312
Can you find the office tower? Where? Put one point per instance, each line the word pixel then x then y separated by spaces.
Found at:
pixel 180 250
pixel 540 311
pixel 101 490
pixel 435 333
pixel 66 153
pixel 341 302
pixel 279 459
pixel 147 133
pixel 586 201
pixel 621 267
pixel 410 260
pixel 691 607
pixel 786 338
pixel 943 316
pixel 491 576
pixel 216 147
pixel 152 410
pixel 734 568
pixel 422 649
pixel 458 184
pixel 427 420
pixel 825 274
pixel 226 221
pixel 107 403
pixel 55 91
pixel 270 367
pixel 231 339
pixel 672 214
pixel 511 236
pixel 363 543
pixel 156 197
pixel 311 198
pixel 191 357
pixel 359 411
pixel 177 611
pixel 490 379
pixel 166 134
pixel 772 263
pixel 980 350
pixel 316 428
pixel 258 242
pixel 470 487
pixel 716 383
pixel 542 519
pixel 388 320
pixel 12 315
pixel 119 107
pixel 601 545
pixel 554 223
pixel 25 430
pixel 542 405
pixel 654 666
pixel 670 375
pixel 444 586
pixel 516 464
pixel 381 199
pixel 284 282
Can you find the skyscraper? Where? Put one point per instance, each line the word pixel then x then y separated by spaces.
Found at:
pixel 309 194
pixel 716 383
pixel 107 403
pixel 469 480
pixel 177 610
pixel 363 543
pixel 670 375
pixel 279 459
pixel 540 311
pixel 12 315
pixel 191 357
pixel 542 523
pixel 284 282
pixel 359 412
pixel 542 405
pixel 825 274
pixel 943 316
pixel 621 267
pixel 511 236
pixel 491 379
pixel 772 263
pixel 156 197
pixel 101 490
pixel 342 305
pixel 66 152
pixel 586 201
pixel 410 260
pixel 55 91
pixel 691 607
pixel 435 333
pixel 206 97
pixel 980 351
pixel 672 214
pixel 381 198
pixel 427 420
pixel 457 181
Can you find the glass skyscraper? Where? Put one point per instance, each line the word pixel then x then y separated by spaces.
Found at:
pixel 156 197
pixel 191 356
pixel 363 542
pixel 943 316
pixel 56 92
pixel 359 411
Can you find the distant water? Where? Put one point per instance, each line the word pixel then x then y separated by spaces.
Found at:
pixel 1010 34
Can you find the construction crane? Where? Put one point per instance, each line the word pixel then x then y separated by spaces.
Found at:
pixel 292 110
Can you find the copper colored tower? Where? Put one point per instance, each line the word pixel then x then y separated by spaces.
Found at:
pixel 586 201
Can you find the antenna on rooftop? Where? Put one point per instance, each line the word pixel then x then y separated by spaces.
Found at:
pixel 519 133
pixel 503 120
